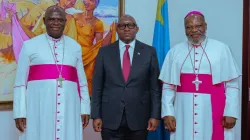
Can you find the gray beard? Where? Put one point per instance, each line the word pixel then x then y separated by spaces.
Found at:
pixel 198 42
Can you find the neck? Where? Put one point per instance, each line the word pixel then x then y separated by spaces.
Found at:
pixel 126 41
pixel 54 38
pixel 89 14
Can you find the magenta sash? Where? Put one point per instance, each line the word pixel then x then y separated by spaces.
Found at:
pixel 50 71
pixel 218 99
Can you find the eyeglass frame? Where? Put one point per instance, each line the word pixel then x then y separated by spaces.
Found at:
pixel 126 25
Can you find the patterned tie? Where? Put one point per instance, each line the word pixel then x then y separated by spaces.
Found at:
pixel 126 64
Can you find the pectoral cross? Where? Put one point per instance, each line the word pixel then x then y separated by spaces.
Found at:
pixel 197 82
pixel 60 79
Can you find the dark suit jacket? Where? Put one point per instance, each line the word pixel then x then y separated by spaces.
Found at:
pixel 140 95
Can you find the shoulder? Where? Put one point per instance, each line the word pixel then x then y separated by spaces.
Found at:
pixel 98 21
pixel 99 27
pixel 77 15
pixel 218 45
pixel 106 50
pixel 69 17
pixel 31 45
pixel 178 47
pixel 35 40
pixel 216 42
pixel 145 46
pixel 72 43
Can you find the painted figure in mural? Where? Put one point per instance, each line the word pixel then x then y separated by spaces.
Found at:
pixel 33 25
pixel 89 28
pixel 26 22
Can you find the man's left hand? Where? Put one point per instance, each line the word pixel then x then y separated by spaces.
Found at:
pixel 85 120
pixel 152 124
pixel 228 122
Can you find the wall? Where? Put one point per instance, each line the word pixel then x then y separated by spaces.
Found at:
pixel 224 18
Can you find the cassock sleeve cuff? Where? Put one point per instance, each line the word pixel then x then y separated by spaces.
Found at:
pixel 19 111
pixel 167 111
pixel 85 108
pixel 232 112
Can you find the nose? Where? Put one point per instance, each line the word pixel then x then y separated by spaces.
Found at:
pixel 126 28
pixel 194 29
pixel 86 2
pixel 56 22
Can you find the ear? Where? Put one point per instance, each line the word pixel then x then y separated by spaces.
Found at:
pixel 137 29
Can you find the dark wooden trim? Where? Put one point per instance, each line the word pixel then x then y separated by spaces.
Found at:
pixel 245 70
pixel 121 8
pixel 6 105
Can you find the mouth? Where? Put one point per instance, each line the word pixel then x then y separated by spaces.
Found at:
pixel 55 28
pixel 86 5
pixel 127 34
pixel 195 36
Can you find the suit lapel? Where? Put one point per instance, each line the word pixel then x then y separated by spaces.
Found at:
pixel 117 61
pixel 136 60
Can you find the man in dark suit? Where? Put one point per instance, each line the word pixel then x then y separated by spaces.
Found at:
pixel 126 99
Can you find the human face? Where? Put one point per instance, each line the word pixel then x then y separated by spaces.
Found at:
pixel 90 4
pixel 195 28
pixel 127 29
pixel 55 23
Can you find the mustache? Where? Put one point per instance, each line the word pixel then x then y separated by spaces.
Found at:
pixel 195 34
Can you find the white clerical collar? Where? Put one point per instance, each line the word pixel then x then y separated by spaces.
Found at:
pixel 122 44
pixel 51 39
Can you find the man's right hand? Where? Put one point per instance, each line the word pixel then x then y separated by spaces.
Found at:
pixel 20 124
pixel 97 125
pixel 170 123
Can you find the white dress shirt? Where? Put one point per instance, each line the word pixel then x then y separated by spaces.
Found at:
pixel 122 49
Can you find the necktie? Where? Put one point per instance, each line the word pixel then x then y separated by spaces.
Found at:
pixel 126 64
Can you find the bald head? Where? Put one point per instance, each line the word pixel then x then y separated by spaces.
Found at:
pixel 126 17
pixel 55 20
pixel 194 16
pixel 55 8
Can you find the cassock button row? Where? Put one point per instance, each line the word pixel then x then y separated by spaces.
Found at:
pixel 196 68
pixel 195 95
pixel 58 103
pixel 195 132
pixel 58 120
pixel 58 112
pixel 195 104
pixel 196 53
pixel 58 129
pixel 195 114
pixel 59 94
pixel 196 60
pixel 195 123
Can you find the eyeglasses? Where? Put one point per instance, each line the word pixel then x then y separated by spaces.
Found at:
pixel 129 25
